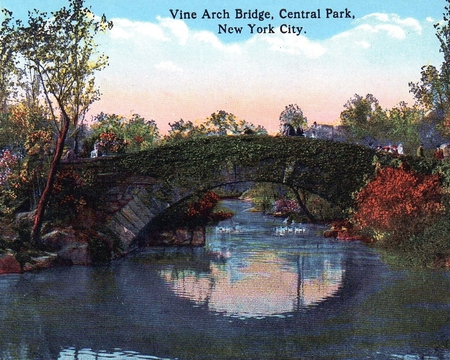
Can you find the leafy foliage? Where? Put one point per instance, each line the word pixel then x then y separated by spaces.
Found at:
pixel 8 161
pixel 119 134
pixel 293 115
pixel 430 248
pixel 286 206
pixel 219 123
pixel 363 117
pixel 201 212
pixel 399 203
pixel 404 124
pixel 110 142
pixel 68 196
pixel 183 129
pixel 10 72
pixel 25 134
pixel 433 90
pixel 198 212
pixel 61 49
pixel 19 122
pixel 366 122
pixel 263 196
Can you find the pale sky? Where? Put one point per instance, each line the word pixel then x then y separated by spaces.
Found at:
pixel 167 68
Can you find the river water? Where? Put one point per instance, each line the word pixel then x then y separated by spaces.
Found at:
pixel 259 290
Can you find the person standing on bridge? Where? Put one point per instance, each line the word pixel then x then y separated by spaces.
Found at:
pixel 420 152
pixel 439 153
pixel 94 153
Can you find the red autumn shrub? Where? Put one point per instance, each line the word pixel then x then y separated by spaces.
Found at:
pixel 399 202
pixel 201 213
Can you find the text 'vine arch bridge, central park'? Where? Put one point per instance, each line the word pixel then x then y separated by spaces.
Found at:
pixel 139 187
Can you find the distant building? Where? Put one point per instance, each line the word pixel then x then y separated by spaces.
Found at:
pixel 325 132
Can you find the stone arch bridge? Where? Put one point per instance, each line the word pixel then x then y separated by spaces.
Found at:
pixel 137 187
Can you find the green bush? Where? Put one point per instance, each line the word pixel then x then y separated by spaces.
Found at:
pixel 430 249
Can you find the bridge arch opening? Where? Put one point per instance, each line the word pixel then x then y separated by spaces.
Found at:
pixel 275 198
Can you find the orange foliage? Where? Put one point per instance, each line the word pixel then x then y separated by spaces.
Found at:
pixel 67 192
pixel 399 200
pixel 202 212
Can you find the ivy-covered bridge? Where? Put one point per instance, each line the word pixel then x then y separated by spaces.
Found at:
pixel 137 187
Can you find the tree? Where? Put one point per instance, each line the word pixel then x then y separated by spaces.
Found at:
pixel 364 118
pixel 27 133
pixel 399 203
pixel 182 129
pixel 60 49
pixel 18 122
pixel 135 133
pixel 140 133
pixel 247 128
pixel 219 123
pixel 9 69
pixel 203 212
pixel 405 122
pixel 292 115
pixel 433 90
pixel 225 123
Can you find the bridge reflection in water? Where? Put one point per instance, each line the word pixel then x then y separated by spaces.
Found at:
pixel 266 285
pixel 254 273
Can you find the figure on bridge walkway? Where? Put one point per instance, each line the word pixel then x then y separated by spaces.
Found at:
pixel 420 151
pixel 95 152
pixel 288 130
pixel 439 153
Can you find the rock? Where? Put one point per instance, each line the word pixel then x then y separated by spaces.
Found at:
pixel 58 239
pixel 331 233
pixel 25 220
pixel 9 264
pixel 43 261
pixel 71 247
pixel 75 254
pixel 61 238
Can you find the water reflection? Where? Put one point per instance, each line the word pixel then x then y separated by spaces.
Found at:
pixel 263 287
pixel 261 281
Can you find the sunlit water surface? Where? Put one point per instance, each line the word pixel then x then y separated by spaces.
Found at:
pixel 259 290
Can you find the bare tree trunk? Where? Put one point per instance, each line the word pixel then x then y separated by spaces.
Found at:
pixel 303 206
pixel 45 197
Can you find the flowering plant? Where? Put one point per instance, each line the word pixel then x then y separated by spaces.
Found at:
pixel 110 142
pixel 285 206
